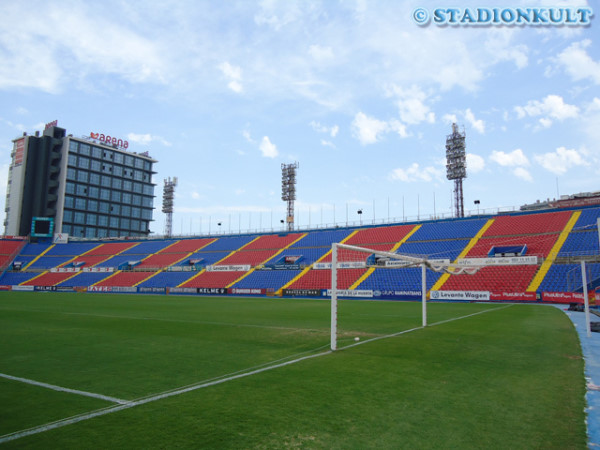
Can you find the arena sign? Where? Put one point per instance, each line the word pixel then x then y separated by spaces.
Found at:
pixel 110 140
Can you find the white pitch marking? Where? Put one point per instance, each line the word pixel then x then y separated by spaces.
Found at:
pixel 64 389
pixel 144 400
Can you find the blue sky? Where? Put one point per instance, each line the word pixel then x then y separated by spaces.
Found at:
pixel 223 93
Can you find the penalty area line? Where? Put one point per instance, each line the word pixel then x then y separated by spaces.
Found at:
pixel 64 389
pixel 149 399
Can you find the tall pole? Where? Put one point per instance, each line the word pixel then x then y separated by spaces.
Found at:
pixel 456 166
pixel 288 190
pixel 585 300
pixel 334 296
pixel 424 294
pixel 167 208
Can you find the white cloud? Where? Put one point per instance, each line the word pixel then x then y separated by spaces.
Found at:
pixel 147 139
pixel 477 124
pixel 551 107
pixel 248 137
pixel 449 118
pixel 320 53
pixel 268 149
pixel 475 163
pixel 578 64
pixel 398 127
pixel 332 131
pixel 411 105
pixel 368 129
pixel 514 158
pixel 523 173
pixel 234 75
pixel 416 173
pixel 325 143
pixel 561 160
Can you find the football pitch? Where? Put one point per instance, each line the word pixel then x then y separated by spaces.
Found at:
pixel 141 371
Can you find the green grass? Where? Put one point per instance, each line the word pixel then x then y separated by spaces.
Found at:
pixel 509 377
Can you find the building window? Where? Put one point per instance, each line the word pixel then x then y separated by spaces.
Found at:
pixel 127 185
pixel 101 232
pixel 72 159
pixel 92 205
pixel 91 219
pixel 73 146
pixel 115 209
pixel 67 229
pixel 69 201
pixel 126 210
pixel 94 178
pixel 79 218
pixel 80 203
pixel 97 152
pixel 117 183
pixel 105 181
pixel 115 196
pixel 84 149
pixel 127 197
pixel 84 163
pixel 147 214
pixel 139 163
pixel 119 158
pixel 102 221
pixel 96 165
pixel 129 160
pixel 94 191
pixel 147 201
pixel 118 171
pixel 136 213
pixel 71 174
pixel 125 224
pixel 83 176
pixel 77 231
pixel 137 188
pixel 114 222
pixel 104 194
pixel 104 207
pixel 137 200
pixel 90 232
pixel 68 216
pixel 148 189
pixel 70 188
pixel 108 154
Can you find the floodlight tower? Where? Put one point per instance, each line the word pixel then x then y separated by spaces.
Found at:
pixel 288 190
pixel 456 166
pixel 167 208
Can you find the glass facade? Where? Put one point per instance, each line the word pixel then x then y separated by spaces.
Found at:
pixel 108 193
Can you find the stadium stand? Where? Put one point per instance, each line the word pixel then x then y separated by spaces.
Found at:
pixel 273 262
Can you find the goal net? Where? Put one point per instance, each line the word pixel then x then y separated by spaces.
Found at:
pixel 376 272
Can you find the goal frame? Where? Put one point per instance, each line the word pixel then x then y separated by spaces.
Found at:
pixel 413 261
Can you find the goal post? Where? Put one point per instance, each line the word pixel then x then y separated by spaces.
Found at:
pixel 345 258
